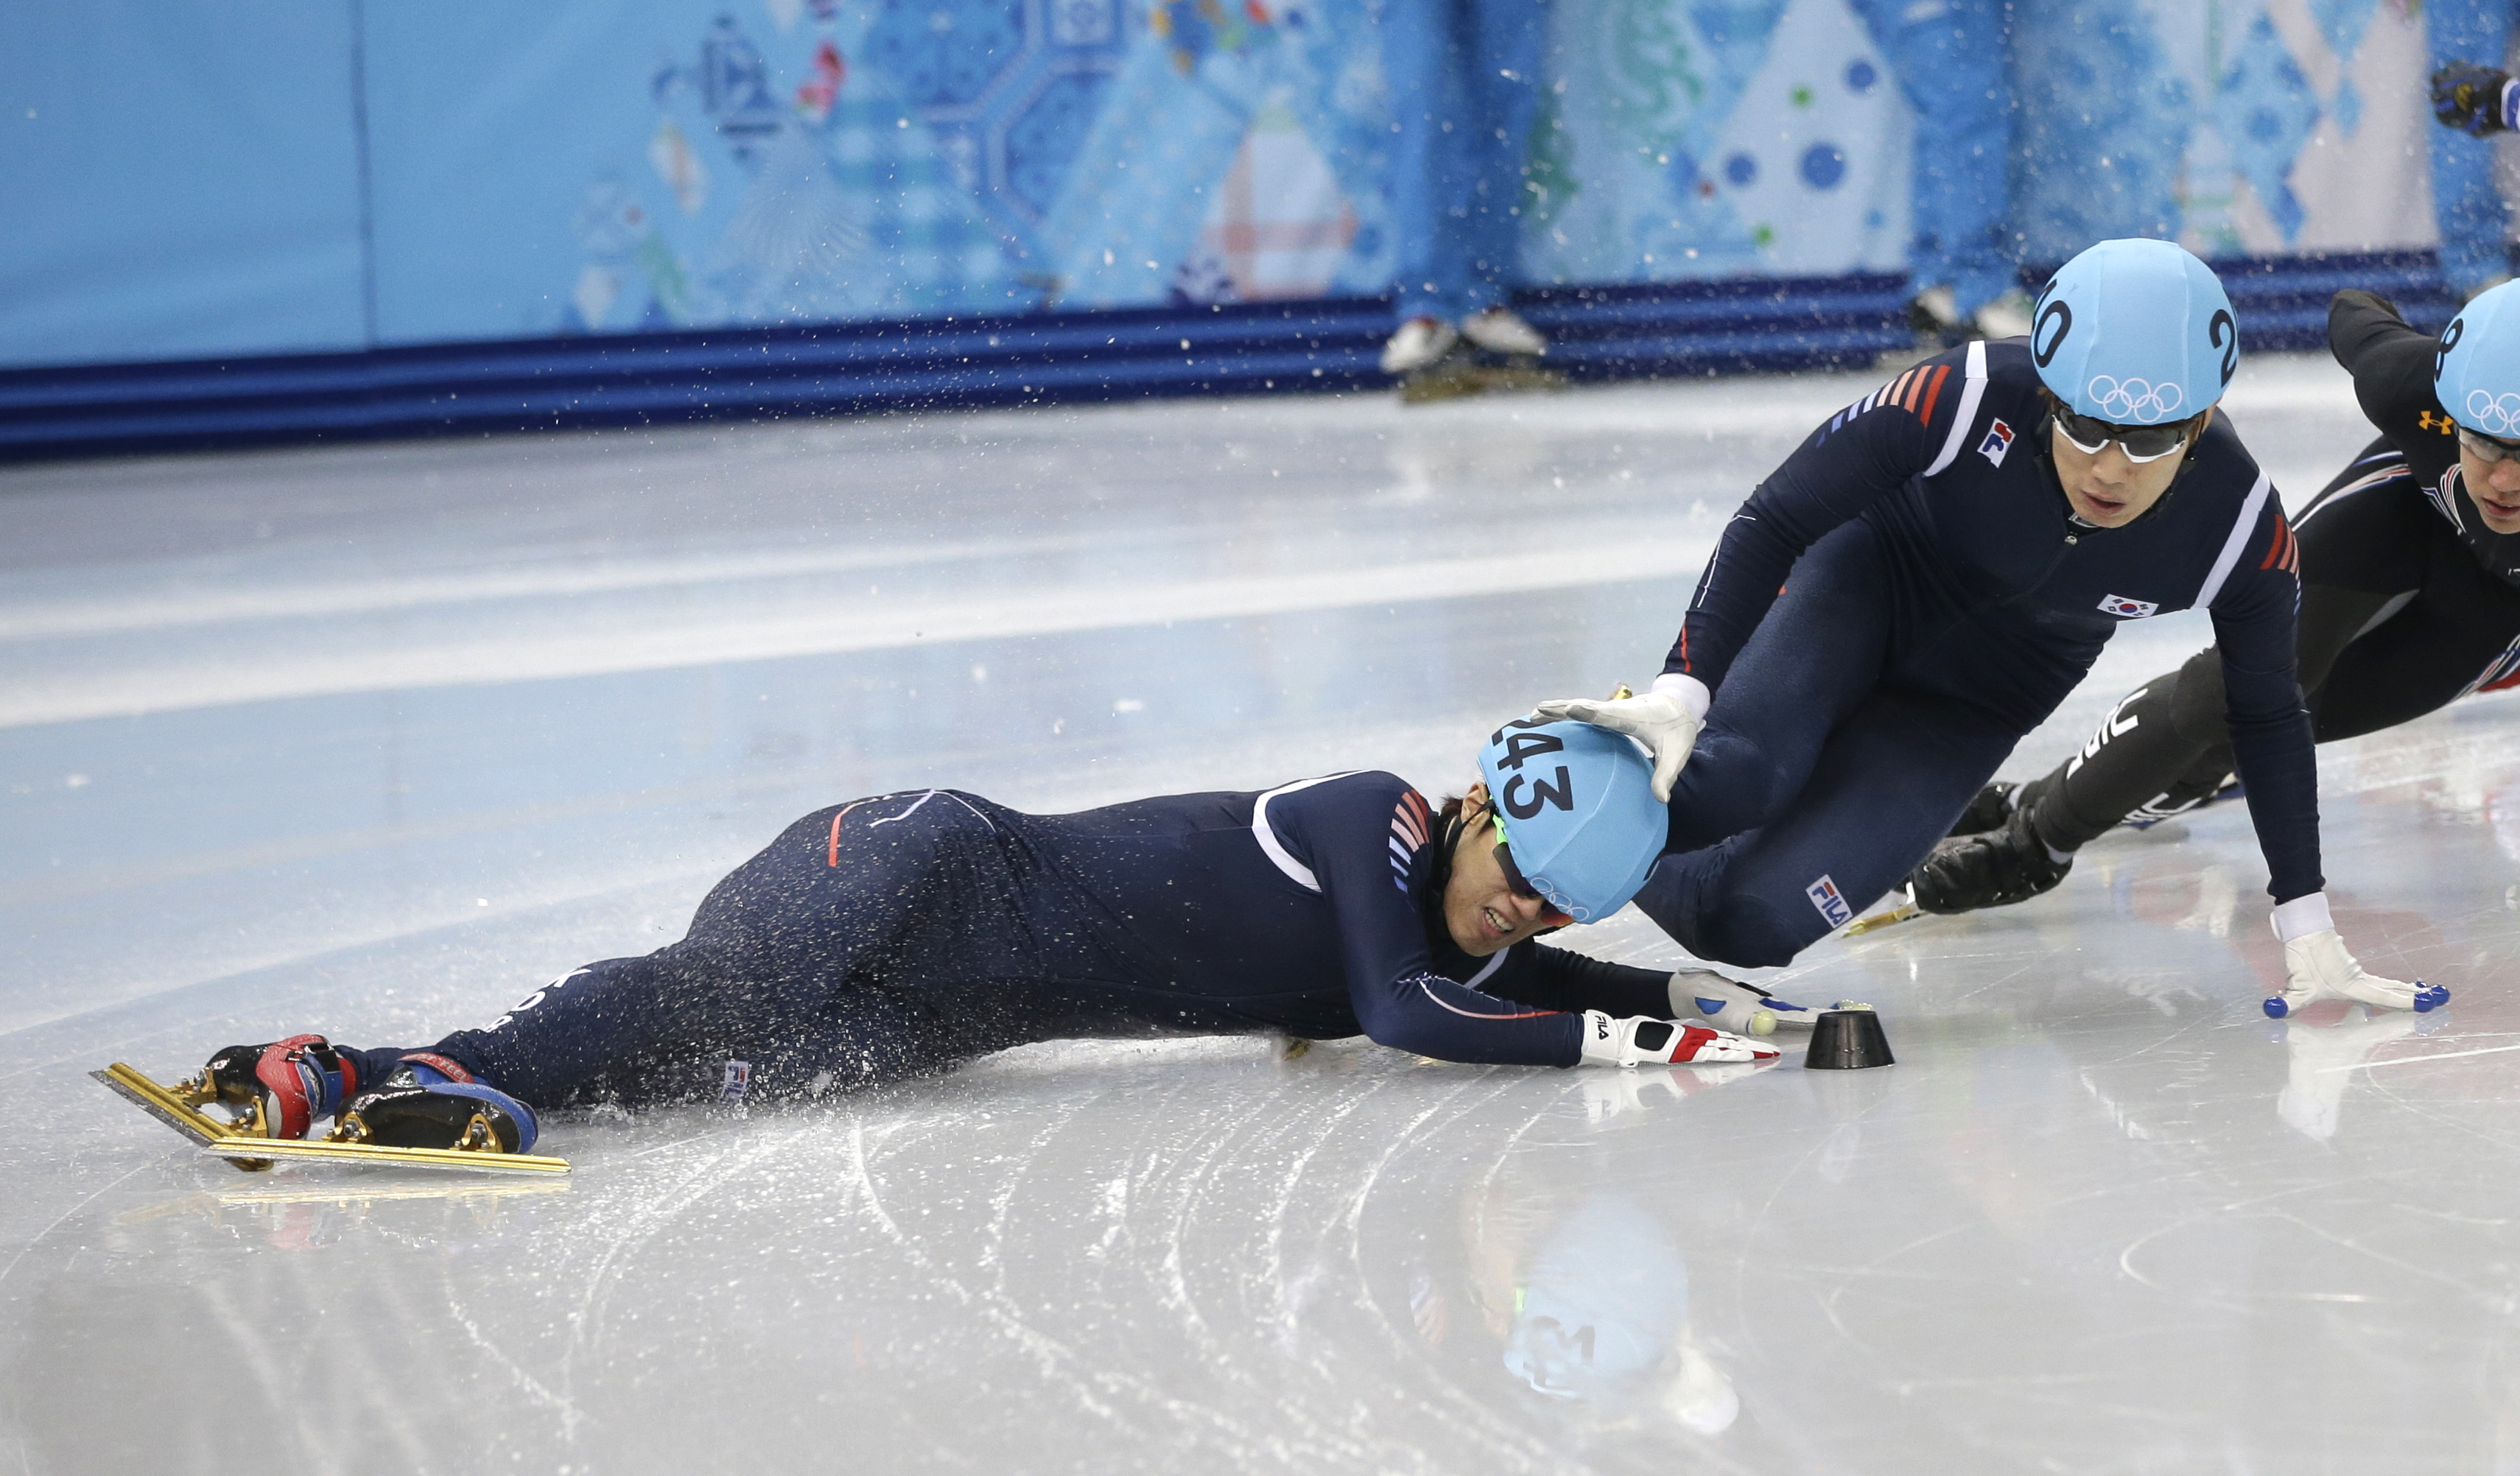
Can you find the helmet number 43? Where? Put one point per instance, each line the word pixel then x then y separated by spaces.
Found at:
pixel 1558 789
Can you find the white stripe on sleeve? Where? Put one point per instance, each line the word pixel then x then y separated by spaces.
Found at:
pixel 2239 540
pixel 1966 415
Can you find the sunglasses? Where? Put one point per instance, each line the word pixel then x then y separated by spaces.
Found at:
pixel 2486 447
pixel 2141 443
pixel 1514 881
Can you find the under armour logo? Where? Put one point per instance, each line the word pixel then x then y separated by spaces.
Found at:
pixel 2427 421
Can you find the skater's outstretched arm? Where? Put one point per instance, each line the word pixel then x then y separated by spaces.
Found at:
pixel 1861 455
pixel 2271 741
pixel 1359 838
pixel 1909 426
pixel 1343 832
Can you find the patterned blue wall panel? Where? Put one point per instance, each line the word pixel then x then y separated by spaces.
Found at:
pixel 580 166
pixel 1044 136
pixel 177 179
pixel 945 54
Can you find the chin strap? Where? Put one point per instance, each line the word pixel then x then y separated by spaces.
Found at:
pixel 1439 874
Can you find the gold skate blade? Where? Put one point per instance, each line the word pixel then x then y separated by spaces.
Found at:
pixel 1884 918
pixel 161 1104
pixel 292 1151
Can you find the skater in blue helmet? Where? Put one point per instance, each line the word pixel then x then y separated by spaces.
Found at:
pixel 2411 600
pixel 1928 575
pixel 904 933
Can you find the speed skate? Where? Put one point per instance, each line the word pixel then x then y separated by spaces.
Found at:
pixel 241 1142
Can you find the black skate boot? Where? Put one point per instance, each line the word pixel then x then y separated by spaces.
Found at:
pixel 1997 869
pixel 281 1089
pixel 1992 807
pixel 432 1103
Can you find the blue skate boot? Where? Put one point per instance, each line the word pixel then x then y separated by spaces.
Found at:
pixel 430 1102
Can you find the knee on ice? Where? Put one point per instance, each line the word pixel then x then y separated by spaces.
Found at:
pixel 1746 932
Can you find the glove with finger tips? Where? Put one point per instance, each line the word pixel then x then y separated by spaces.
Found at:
pixel 1731 1005
pixel 2317 966
pixel 1659 720
pixel 1641 1040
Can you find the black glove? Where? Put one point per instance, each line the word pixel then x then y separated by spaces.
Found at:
pixel 2353 295
pixel 2469 98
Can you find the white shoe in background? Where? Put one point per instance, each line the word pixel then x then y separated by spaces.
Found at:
pixel 1503 330
pixel 1934 313
pixel 1420 342
pixel 2006 317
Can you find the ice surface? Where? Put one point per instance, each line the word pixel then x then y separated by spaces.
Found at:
pixel 369 740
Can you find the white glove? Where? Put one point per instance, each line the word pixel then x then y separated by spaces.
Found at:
pixel 1731 1005
pixel 1666 720
pixel 2317 967
pixel 1643 1041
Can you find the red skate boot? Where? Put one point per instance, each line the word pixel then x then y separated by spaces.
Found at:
pixel 281 1089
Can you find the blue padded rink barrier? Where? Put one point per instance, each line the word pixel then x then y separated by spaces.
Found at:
pixel 371 739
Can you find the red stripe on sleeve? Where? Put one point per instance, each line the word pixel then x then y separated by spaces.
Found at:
pixel 1934 392
pixel 2275 549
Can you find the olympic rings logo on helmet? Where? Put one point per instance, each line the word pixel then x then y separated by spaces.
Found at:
pixel 2494 414
pixel 2135 402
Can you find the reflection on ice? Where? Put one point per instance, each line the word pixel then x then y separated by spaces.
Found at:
pixel 2321 1054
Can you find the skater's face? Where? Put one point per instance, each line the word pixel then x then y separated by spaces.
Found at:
pixel 2104 487
pixel 1483 910
pixel 2493 485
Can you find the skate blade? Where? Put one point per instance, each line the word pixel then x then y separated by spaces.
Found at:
pixel 462 1160
pixel 161 1104
pixel 1884 919
pixel 219 1139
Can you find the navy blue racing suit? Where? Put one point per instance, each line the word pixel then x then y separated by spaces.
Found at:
pixel 1907 595
pixel 904 933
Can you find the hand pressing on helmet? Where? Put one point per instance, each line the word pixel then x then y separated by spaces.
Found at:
pixel 1666 720
pixel 2317 966
pixel 1643 1041
pixel 2472 98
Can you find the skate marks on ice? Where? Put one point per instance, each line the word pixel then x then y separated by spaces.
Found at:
pixel 1124 1268
pixel 1089 1256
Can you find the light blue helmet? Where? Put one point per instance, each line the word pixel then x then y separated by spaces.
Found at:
pixel 1580 817
pixel 2476 371
pixel 2134 332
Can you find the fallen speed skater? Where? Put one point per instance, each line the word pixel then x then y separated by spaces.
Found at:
pixel 902 934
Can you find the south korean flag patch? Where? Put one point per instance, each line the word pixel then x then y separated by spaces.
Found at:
pixel 1999 440
pixel 2128 609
